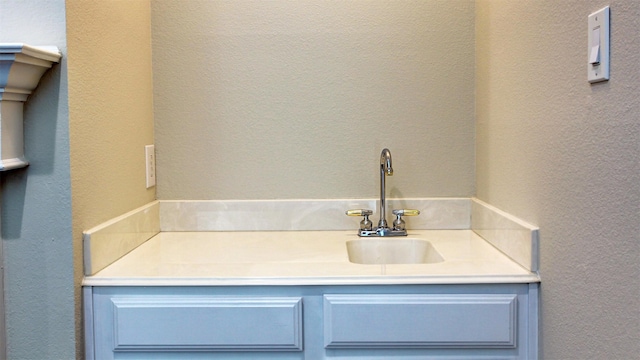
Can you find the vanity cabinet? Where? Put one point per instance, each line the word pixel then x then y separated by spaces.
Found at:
pixel 472 321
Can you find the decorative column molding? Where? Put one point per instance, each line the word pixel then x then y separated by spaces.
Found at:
pixel 21 67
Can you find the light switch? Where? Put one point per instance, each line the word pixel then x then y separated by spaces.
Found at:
pixel 598 50
pixel 594 57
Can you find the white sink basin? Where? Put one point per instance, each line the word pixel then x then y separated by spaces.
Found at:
pixel 392 251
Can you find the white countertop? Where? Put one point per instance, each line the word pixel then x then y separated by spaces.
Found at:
pixel 301 258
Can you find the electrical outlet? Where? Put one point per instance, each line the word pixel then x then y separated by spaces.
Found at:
pixel 150 160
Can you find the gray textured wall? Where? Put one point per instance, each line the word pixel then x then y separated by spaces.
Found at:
pixel 282 99
pixel 36 201
pixel 563 154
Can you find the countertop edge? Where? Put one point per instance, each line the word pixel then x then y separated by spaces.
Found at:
pixel 310 281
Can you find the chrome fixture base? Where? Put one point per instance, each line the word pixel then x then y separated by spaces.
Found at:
pixel 380 232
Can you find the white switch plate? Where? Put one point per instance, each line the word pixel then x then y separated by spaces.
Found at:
pixel 150 161
pixel 598 46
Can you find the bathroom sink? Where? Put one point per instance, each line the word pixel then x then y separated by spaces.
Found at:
pixel 392 251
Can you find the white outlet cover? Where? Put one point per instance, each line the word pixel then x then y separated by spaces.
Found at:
pixel 150 165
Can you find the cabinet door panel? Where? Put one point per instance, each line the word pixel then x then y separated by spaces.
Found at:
pixel 420 321
pixel 206 324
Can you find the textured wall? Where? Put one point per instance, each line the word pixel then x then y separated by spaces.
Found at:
pixel 111 106
pixel 285 99
pixel 111 112
pixel 36 201
pixel 565 155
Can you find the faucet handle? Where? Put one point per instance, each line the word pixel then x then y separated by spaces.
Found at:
pixel 365 224
pixel 359 212
pixel 398 223
pixel 406 212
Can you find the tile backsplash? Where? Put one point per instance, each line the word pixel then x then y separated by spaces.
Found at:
pixel 514 237
pixel 109 241
pixel 306 215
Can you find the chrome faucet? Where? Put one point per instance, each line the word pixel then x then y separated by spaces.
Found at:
pixel 385 169
pixel 366 226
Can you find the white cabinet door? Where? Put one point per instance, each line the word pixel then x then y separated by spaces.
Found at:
pixel 420 321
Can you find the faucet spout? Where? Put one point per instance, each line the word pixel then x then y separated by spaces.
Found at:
pixel 385 170
pixel 385 162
